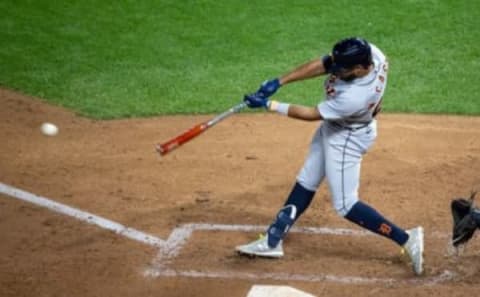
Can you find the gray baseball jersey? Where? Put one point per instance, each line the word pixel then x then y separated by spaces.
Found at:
pixel 349 103
pixel 348 131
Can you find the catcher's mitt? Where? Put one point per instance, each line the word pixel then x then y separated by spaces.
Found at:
pixel 464 224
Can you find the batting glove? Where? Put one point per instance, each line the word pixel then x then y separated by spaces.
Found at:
pixel 254 101
pixel 268 88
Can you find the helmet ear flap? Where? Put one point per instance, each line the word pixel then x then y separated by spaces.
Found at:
pixel 327 63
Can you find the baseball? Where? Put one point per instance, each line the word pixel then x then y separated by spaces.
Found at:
pixel 49 129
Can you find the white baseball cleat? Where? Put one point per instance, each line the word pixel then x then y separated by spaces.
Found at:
pixel 414 248
pixel 260 248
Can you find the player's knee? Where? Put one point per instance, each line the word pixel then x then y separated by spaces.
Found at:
pixel 308 183
pixel 343 205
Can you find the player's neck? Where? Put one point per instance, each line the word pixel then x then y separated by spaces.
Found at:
pixel 365 71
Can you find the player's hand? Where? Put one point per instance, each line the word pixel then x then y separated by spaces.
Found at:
pixel 254 100
pixel 268 88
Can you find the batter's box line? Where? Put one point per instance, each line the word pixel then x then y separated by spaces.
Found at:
pixel 170 248
pixel 83 216
pixel 161 265
pixel 445 276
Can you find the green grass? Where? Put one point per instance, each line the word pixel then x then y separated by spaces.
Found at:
pixel 110 59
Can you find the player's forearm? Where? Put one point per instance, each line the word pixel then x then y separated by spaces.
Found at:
pixel 295 111
pixel 304 113
pixel 311 69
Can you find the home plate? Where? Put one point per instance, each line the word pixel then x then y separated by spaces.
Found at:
pixel 276 291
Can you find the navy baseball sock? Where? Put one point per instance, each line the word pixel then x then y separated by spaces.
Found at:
pixel 301 198
pixel 367 217
pixel 297 202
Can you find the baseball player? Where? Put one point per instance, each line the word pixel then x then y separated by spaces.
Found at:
pixel 356 78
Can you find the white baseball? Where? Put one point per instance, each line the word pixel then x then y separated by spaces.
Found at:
pixel 49 129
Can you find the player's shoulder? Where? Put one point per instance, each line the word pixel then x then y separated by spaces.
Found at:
pixel 377 53
pixel 352 91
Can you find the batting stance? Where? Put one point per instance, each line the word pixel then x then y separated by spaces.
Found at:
pixel 356 79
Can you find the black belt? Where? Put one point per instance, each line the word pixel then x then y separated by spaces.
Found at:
pixel 338 125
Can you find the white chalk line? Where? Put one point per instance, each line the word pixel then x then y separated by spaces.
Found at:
pixel 180 236
pixel 318 277
pixel 170 248
pixel 258 228
pixel 82 216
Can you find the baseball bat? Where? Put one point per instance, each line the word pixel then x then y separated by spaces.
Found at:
pixel 170 145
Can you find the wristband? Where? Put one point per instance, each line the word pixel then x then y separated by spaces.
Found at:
pixel 280 107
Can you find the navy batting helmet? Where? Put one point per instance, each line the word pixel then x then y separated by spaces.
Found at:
pixel 350 52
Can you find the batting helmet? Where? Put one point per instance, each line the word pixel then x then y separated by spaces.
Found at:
pixel 350 52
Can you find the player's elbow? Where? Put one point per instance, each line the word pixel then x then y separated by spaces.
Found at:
pixel 313 118
pixel 305 113
pixel 313 115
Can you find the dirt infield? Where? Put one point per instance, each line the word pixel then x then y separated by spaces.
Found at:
pixel 237 174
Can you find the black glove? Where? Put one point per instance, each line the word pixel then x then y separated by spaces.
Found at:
pixel 464 220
